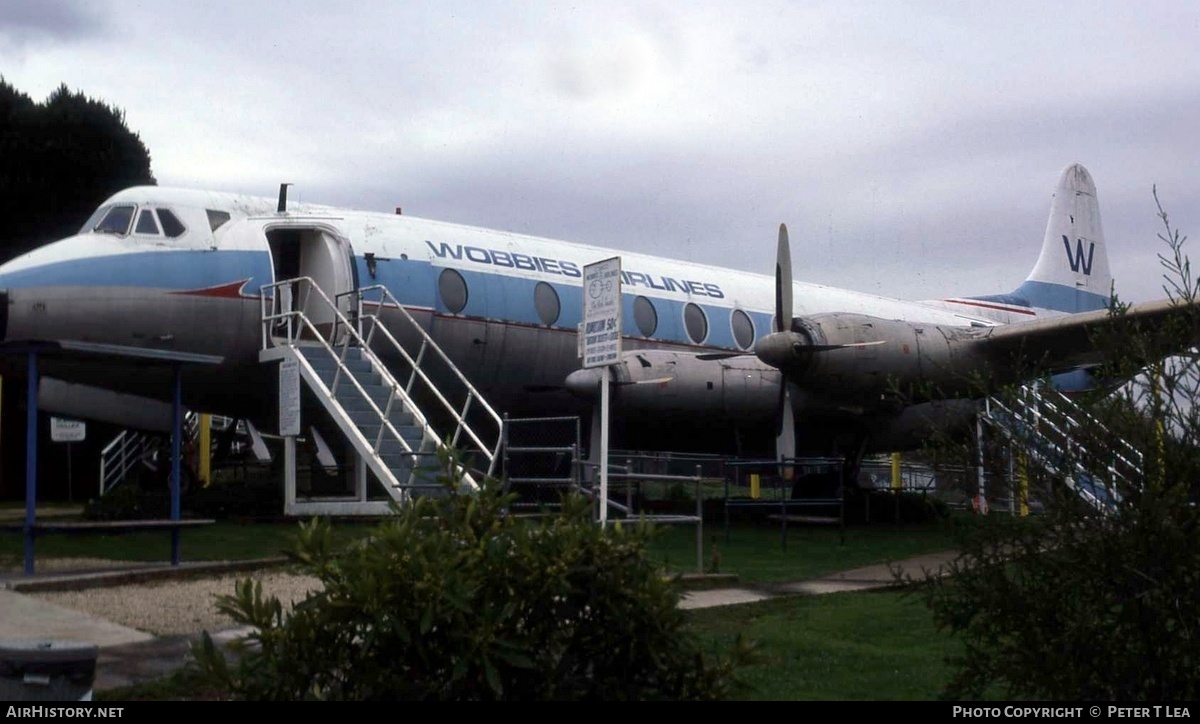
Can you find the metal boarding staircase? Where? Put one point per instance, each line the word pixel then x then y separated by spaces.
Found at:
pixel 1059 435
pixel 121 455
pixel 377 413
pixel 130 447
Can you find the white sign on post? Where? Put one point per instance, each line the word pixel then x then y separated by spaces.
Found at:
pixel 601 342
pixel 602 313
pixel 64 430
pixel 289 398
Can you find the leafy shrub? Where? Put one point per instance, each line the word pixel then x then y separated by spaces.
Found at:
pixel 452 598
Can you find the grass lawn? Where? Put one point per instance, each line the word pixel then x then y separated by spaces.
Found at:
pixel 757 554
pixel 842 646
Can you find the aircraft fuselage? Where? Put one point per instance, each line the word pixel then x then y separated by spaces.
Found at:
pixel 505 307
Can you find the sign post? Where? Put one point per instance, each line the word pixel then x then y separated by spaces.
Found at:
pixel 601 343
pixel 68 431
pixel 289 398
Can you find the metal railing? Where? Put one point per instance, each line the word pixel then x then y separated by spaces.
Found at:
pixel 1064 436
pixel 282 313
pixel 122 453
pixel 370 324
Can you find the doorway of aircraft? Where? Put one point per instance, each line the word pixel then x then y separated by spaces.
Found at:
pixel 322 256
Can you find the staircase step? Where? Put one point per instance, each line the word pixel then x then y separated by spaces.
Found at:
pixel 320 360
pixel 399 417
pixel 412 434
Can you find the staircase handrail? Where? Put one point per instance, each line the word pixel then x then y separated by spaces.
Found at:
pixel 128 445
pixel 296 313
pixel 1043 419
pixel 1136 465
pixel 473 394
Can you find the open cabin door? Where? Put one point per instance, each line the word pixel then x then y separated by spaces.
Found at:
pixel 323 256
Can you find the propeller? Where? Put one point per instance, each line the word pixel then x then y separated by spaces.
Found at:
pixel 783 282
pixel 785 414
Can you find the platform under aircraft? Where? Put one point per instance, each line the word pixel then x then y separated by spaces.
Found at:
pixel 714 359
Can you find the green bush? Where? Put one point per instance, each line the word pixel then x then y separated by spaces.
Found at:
pixel 454 599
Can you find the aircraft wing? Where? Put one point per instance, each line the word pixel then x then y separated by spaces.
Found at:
pixel 1146 331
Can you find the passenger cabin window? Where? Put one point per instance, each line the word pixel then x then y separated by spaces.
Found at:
pixel 644 316
pixel 217 219
pixel 545 300
pixel 453 290
pixel 695 322
pixel 146 223
pixel 116 221
pixel 171 224
pixel 743 329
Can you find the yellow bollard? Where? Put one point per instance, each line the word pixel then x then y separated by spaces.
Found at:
pixel 754 489
pixel 205 449
pixel 896 471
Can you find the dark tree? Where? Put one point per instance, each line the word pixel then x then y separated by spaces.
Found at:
pixel 58 161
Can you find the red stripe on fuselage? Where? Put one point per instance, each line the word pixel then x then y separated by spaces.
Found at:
pixel 232 290
pixel 985 305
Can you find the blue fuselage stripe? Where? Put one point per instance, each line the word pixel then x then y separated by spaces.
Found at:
pixel 1056 297
pixel 176 270
pixel 414 282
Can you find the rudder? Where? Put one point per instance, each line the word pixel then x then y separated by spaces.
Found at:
pixel 1072 273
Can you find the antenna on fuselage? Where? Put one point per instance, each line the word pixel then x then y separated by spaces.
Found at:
pixel 282 198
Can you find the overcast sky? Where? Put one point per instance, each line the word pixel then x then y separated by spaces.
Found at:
pixel 910 147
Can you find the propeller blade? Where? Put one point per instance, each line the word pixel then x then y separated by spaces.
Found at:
pixel 785 423
pixel 783 282
pixel 655 381
pixel 785 435
pixel 847 345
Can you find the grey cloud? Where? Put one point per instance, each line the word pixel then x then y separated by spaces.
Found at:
pixel 28 20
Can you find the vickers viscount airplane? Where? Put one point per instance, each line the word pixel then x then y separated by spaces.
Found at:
pixel 184 271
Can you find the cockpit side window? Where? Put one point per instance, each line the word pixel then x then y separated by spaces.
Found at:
pixel 171 224
pixel 217 219
pixel 116 221
pixel 146 223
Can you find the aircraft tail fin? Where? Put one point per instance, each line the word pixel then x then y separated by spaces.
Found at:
pixel 1071 274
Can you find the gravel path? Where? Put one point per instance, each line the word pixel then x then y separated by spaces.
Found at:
pixel 177 607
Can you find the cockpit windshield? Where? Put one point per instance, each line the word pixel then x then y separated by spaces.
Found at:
pixel 117 220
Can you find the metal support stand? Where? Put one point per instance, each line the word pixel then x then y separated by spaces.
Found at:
pixel 31 436
pixel 176 440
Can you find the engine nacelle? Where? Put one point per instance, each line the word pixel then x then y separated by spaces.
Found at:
pixel 867 361
pixel 666 383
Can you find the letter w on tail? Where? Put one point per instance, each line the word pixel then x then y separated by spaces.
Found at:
pixel 1076 259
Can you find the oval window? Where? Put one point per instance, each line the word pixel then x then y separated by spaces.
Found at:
pixel 743 329
pixel 452 288
pixel 695 322
pixel 644 316
pixel 545 300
